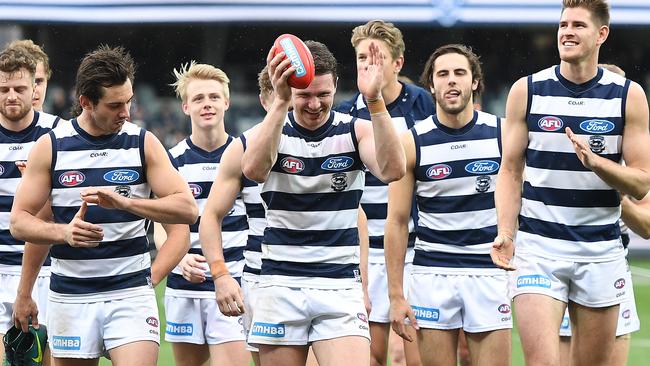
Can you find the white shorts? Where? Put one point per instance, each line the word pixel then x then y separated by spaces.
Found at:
pixel 8 290
pixel 85 330
pixel 378 290
pixel 476 303
pixel 300 316
pixel 199 321
pixel 598 284
pixel 248 287
pixel 628 319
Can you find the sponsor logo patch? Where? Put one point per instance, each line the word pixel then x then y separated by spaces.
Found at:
pixel 597 126
pixel 121 176
pixel 98 154
pixel 362 317
pixel 439 171
pixel 504 309
pixel 123 191
pixel 152 321
pixel 292 165
pixel 72 178
pixel 292 54
pixel 550 123
pixel 482 167
pixel 534 281
pixel 66 343
pixel 268 330
pixel 337 163
pixel 620 283
pixel 483 183
pixel 597 144
pixel 196 189
pixel 626 314
pixel 429 314
pixel 179 329
pixel 339 182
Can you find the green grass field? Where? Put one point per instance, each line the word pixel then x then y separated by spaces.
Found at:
pixel 639 350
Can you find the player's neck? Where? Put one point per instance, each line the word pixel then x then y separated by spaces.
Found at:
pixel 17 126
pixel 579 72
pixel 456 120
pixel 209 139
pixel 391 91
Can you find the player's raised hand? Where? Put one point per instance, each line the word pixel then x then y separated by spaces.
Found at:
pixel 400 311
pixel 371 76
pixel 280 68
pixel 586 156
pixel 230 297
pixel 502 251
pixel 193 267
pixel 82 234
pixel 103 197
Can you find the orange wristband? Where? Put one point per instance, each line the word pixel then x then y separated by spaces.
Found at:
pixel 376 106
pixel 218 268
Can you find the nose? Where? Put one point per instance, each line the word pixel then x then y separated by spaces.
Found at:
pixel 124 112
pixel 313 103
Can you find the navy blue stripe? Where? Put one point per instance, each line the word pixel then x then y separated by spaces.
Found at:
pixel 10 170
pixel 255 210
pixel 254 243
pixel 75 143
pixel 177 282
pixel 584 233
pixel 94 177
pixel 234 254
pixel 255 271
pixel 330 238
pixel 11 258
pixel 375 211
pixel 574 123
pixel 229 224
pixel 560 161
pixel 195 251
pixel 477 132
pixel 301 269
pixel 448 204
pixel 6 202
pixel 313 166
pixel 553 88
pixel 95 214
pixel 377 242
pixel 308 202
pixel 452 260
pixel 247 183
pixel 105 250
pixel 7 239
pixel 458 169
pixel 91 285
pixel 372 181
pixel 572 197
pixel 457 237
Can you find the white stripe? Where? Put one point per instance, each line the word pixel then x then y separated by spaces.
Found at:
pixel 611 78
pixel 546 74
pixel 76 160
pixel 203 172
pixel 252 194
pixel 559 106
pixel 67 197
pixel 458 220
pixel 458 249
pixel 559 142
pixel 253 259
pixel 234 239
pixel 287 183
pixel 424 126
pixel 312 254
pixel 105 267
pixel 331 145
pixel 572 216
pixel 123 230
pixel 575 251
pixel 451 187
pixel 376 227
pixel 400 124
pixel 564 179
pixel 179 149
pixel 447 152
pixel 4 220
pixel 9 186
pixel 8 152
pixel 256 226
pixel 375 194
pixel 314 220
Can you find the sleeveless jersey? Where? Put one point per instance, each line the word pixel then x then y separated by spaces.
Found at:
pixel 252 198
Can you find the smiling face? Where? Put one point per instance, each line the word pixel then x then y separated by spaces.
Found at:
pixel 579 36
pixel 453 84
pixel 311 106
pixel 206 103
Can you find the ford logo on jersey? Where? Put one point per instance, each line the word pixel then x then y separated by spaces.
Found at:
pixel 482 167
pixel 597 126
pixel 292 165
pixel 72 178
pixel 439 171
pixel 550 123
pixel 121 176
pixel 337 163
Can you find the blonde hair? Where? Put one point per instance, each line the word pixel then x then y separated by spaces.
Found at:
pixel 613 68
pixel 380 30
pixel 264 81
pixel 188 72
pixel 34 51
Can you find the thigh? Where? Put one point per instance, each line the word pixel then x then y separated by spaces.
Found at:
pixel 594 332
pixel 337 313
pixel 490 348
pixel 218 327
pixel 486 306
pixel 350 350
pixel 138 353
pixel 437 346
pixel 71 337
pixel 281 317
pixel 435 301
pixel 600 284
pixel 283 355
pixel 188 354
pixel 132 320
pixel 184 323
pixel 229 353
pixel 538 321
pixel 539 275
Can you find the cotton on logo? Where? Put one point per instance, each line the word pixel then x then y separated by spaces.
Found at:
pixel 620 283
pixel 72 178
pixel 550 123
pixel 439 171
pixel 292 165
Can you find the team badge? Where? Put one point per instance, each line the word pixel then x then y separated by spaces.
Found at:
pixel 483 183
pixel 597 144
pixel 339 182
pixel 123 191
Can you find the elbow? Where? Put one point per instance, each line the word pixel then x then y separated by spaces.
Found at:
pixel 14 227
pixel 394 174
pixel 645 234
pixel 191 214
pixel 253 173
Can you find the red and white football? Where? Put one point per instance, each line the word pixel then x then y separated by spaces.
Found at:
pixel 300 57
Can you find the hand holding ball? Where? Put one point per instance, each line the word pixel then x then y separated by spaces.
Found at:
pixel 296 51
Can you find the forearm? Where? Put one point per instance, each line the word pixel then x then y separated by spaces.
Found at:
pixel 212 246
pixel 391 160
pixel 33 259
pixel 507 199
pixel 176 208
pixel 395 242
pixel 636 217
pixel 27 227
pixel 262 148
pixel 627 180
pixel 170 253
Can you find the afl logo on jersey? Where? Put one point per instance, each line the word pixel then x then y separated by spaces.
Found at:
pixel 337 163
pixel 550 123
pixel 620 283
pixel 2 169
pixel 504 309
pixel 121 176
pixel 439 171
pixel 72 178
pixel 597 126
pixel 292 165
pixel 196 190
pixel 482 167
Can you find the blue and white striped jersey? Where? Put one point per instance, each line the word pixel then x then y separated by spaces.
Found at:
pixel 413 104
pixel 251 195
pixel 199 168
pixel 15 146
pixel 567 211
pixel 455 178
pixel 312 198
pixel 120 266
